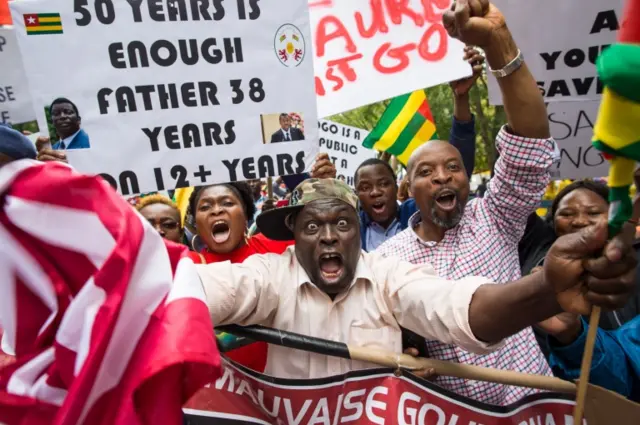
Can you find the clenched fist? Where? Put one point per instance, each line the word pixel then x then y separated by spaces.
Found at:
pixel 474 22
pixel 586 270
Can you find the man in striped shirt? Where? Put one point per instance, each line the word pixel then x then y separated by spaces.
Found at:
pixel 480 237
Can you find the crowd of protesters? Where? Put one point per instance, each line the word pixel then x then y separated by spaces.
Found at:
pixel 403 266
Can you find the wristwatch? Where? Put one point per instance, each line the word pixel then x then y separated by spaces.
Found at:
pixel 509 68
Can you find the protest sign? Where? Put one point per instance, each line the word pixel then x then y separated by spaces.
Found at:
pixel 373 396
pixel 5 15
pixel 173 93
pixel 15 100
pixel 571 125
pixel 369 51
pixel 343 143
pixel 560 41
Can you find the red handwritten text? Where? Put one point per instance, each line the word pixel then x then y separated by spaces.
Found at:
pixel 388 58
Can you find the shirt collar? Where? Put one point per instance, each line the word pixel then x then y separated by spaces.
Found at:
pixel 366 220
pixel 362 271
pixel 67 140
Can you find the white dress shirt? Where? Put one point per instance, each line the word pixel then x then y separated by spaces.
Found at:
pixel 274 290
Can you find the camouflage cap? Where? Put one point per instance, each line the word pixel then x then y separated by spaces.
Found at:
pixel 314 189
pixel 272 223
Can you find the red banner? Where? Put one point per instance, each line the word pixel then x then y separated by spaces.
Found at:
pixel 374 396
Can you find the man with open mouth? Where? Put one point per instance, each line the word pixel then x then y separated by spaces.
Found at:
pixel 479 237
pixel 375 181
pixel 325 286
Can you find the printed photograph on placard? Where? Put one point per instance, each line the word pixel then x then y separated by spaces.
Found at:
pixel 65 125
pixel 282 127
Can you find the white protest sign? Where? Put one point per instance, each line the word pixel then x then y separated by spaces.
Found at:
pixel 571 125
pixel 174 93
pixel 370 51
pixel 15 101
pixel 560 41
pixel 343 143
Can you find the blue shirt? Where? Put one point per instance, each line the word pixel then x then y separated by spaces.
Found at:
pixel 376 234
pixel 616 359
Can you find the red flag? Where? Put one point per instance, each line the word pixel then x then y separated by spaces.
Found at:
pixel 107 321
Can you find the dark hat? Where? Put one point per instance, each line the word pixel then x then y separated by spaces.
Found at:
pixel 15 145
pixel 272 223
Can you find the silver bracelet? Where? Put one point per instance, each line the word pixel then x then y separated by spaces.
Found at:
pixel 509 68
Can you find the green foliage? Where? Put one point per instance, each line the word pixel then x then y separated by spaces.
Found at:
pixel 489 119
pixel 32 126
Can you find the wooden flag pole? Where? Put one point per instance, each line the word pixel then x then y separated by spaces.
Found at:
pixel 585 368
pixel 404 361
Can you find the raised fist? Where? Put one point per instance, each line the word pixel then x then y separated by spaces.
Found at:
pixel 474 22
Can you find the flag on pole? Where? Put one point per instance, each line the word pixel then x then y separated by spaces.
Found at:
pixel 108 321
pixel 406 124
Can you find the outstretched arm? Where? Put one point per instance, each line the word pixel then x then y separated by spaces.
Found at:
pixel 526 152
pixel 573 281
pixel 242 294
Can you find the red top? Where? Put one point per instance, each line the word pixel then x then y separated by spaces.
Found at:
pixel 254 355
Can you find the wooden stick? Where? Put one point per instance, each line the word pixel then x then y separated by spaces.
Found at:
pixel 404 361
pixel 585 368
pixel 464 371
pixel 269 188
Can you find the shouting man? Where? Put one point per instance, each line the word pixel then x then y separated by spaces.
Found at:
pixel 375 181
pixel 326 286
pixel 480 237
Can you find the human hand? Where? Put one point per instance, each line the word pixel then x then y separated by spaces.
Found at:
pixel 565 327
pixel 42 142
pixel 476 60
pixel 585 270
pixel 323 168
pixel 46 153
pixel 429 373
pixel 269 204
pixel 474 22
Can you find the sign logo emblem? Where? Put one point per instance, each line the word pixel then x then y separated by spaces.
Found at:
pixel 289 45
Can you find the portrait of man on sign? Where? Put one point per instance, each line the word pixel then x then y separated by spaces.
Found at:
pixel 66 120
pixel 286 133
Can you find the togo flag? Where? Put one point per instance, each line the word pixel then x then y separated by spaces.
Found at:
pixel 406 124
pixel 43 23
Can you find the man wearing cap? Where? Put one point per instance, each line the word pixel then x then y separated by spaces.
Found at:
pixel 14 146
pixel 326 286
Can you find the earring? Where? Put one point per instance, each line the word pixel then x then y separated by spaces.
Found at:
pixel 246 238
pixel 195 242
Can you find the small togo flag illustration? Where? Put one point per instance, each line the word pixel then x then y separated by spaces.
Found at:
pixel 43 23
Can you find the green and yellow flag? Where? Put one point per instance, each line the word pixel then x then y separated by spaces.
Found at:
pixel 43 23
pixel 405 124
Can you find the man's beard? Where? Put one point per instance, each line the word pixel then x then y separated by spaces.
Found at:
pixel 451 220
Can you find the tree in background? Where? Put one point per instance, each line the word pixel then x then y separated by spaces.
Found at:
pixel 32 126
pixel 489 119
